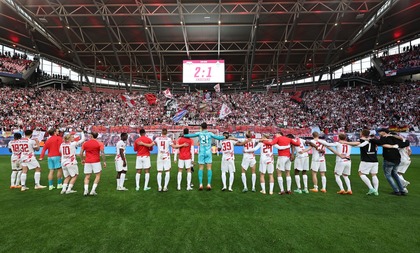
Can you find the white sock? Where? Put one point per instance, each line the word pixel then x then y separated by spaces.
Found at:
pixel 64 187
pixel 13 178
pixel 324 182
pixel 263 187
pixel 146 180
pixel 159 180
pixel 118 183
pixel 188 179
pixel 122 179
pixel 86 188
pixel 138 180
pixel 18 177
pixel 70 187
pixel 348 184
pixel 280 181
pixel 224 179
pixel 231 178
pixel 297 180
pixel 271 187
pixel 254 180
pixel 179 179
pixel 375 182
pixel 37 177
pixel 305 181
pixel 288 183
pixel 339 182
pixel 23 179
pixel 94 187
pixel 366 180
pixel 167 178
pixel 244 180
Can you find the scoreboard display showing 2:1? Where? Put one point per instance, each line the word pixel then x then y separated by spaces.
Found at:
pixel 203 71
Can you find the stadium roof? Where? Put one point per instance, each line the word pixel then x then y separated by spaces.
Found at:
pixel 146 40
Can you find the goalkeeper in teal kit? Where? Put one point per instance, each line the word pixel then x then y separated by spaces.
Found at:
pixel 204 154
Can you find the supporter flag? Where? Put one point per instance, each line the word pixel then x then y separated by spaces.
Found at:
pixel 151 98
pixel 297 96
pixel 224 111
pixel 128 101
pixel 179 115
pixel 217 87
pixel 167 93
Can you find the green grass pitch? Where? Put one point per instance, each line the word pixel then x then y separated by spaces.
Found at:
pixel 216 221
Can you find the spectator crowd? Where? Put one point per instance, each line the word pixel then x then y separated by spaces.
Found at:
pixel 409 58
pixel 14 64
pixel 348 109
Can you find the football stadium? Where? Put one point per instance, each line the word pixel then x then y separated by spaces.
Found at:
pixel 209 126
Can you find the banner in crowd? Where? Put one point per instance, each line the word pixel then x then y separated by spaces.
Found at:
pixel 167 93
pixel 224 111
pixel 217 87
pixel 128 100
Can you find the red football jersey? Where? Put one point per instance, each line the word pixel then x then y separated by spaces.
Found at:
pixel 185 152
pixel 93 150
pixel 143 150
pixel 283 141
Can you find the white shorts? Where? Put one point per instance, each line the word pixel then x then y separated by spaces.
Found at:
pixel 163 164
pixel 184 164
pixel 70 170
pixel 343 168
pixel 92 167
pixel 16 164
pixel 283 163
pixel 319 166
pixel 266 166
pixel 302 163
pixel 368 168
pixel 143 162
pixel 403 166
pixel 119 166
pixel 228 166
pixel 30 163
pixel 248 161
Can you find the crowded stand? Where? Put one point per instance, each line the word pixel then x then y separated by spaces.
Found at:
pixel 14 64
pixel 408 59
pixel 349 109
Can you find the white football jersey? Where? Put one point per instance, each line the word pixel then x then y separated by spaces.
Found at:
pixel 300 148
pixel 14 146
pixel 227 149
pixel 120 145
pixel 27 148
pixel 163 143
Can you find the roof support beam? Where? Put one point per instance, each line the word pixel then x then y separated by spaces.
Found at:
pixel 109 31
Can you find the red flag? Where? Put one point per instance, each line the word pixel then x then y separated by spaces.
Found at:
pixel 128 101
pixel 151 98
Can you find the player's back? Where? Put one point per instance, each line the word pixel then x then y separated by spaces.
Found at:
pixel 368 152
pixel 163 143
pixel 318 152
pixel 68 153
pixel 120 146
pixel 142 150
pixel 343 149
pixel 227 149
pixel 185 152
pixel 93 150
pixel 27 147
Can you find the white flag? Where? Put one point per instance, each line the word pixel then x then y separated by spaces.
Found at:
pixel 217 87
pixel 167 93
pixel 224 111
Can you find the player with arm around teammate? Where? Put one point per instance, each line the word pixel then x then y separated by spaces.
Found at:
pixel 94 150
pixel 204 154
pixel 301 164
pixel 69 161
pixel 54 164
pixel 143 145
pixel 13 146
pixel 226 146
pixel 186 158
pixel 28 160
pixel 121 162
pixel 266 165
pixel 284 160
pixel 342 164
pixel 249 161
